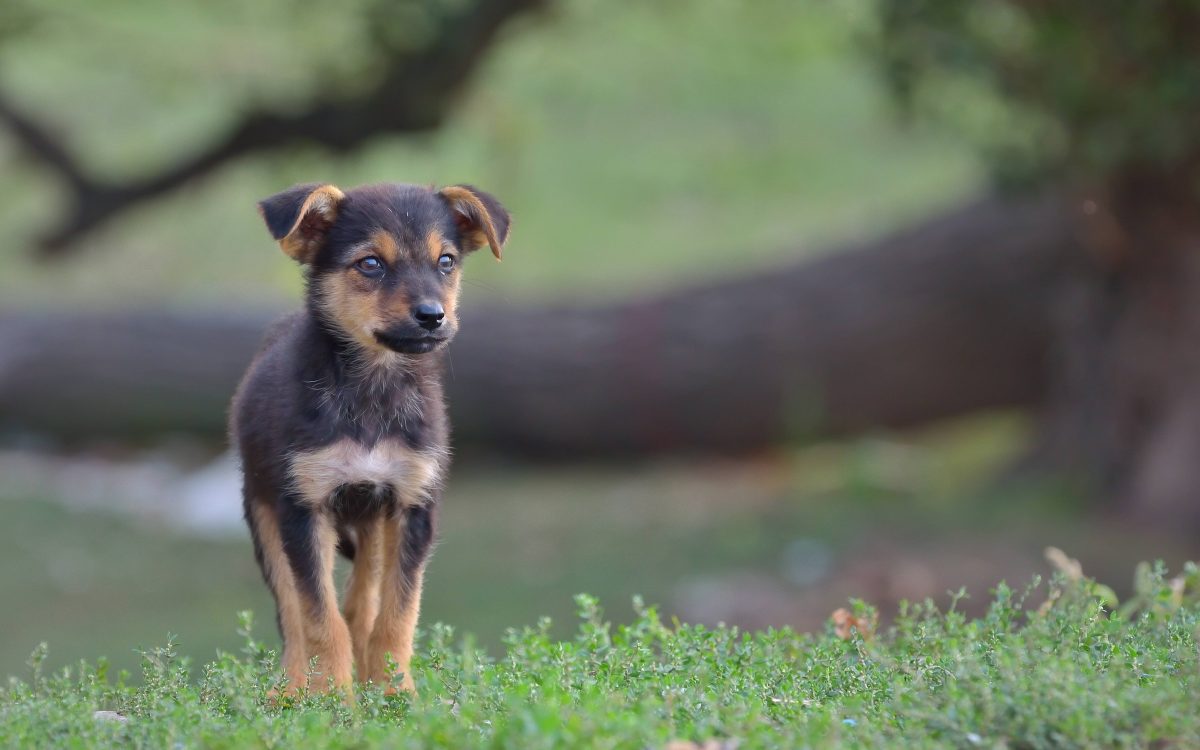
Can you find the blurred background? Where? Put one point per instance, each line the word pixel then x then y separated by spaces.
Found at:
pixel 804 300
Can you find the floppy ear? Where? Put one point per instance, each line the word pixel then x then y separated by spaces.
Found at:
pixel 481 219
pixel 300 218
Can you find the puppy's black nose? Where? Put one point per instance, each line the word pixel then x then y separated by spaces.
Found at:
pixel 429 315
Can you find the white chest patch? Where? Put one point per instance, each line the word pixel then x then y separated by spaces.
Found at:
pixel 318 473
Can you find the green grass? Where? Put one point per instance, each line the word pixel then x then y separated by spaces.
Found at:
pixel 785 540
pixel 639 145
pixel 1074 673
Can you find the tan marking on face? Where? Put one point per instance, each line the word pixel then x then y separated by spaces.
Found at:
pixel 398 306
pixel 436 244
pixel 450 301
pixel 316 474
pixel 386 247
pixel 350 301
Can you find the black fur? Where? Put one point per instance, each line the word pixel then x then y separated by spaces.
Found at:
pixel 312 383
pixel 362 501
pixel 297 529
pixel 419 529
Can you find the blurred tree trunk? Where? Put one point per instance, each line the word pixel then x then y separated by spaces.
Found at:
pixel 1124 406
pixel 947 318
pixel 1087 314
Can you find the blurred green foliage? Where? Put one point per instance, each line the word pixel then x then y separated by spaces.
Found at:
pixel 1083 88
pixel 512 541
pixel 638 145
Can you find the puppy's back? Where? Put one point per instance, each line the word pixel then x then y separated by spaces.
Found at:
pixel 258 414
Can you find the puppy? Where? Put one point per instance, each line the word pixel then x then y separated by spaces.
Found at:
pixel 340 422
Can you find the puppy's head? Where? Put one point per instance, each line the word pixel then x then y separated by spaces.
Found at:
pixel 384 260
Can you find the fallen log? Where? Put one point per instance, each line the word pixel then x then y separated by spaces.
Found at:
pixel 949 317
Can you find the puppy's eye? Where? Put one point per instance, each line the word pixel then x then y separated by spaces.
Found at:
pixel 370 266
pixel 446 263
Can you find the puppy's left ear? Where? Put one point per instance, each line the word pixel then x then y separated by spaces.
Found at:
pixel 300 218
pixel 480 217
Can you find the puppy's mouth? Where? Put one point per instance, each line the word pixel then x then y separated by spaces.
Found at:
pixel 422 344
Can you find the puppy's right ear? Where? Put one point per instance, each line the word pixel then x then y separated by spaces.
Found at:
pixel 300 218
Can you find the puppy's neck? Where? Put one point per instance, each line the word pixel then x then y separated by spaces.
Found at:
pixel 356 363
pixel 375 392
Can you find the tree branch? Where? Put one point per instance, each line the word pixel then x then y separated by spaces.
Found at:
pixel 415 94
pixel 38 141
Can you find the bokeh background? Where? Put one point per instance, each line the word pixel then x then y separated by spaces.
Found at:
pixel 804 301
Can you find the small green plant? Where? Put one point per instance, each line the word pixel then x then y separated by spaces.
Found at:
pixel 1077 670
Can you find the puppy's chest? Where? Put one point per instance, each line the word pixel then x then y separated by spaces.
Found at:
pixel 388 467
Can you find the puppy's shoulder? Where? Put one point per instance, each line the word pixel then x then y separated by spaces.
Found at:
pixel 272 369
pixel 282 333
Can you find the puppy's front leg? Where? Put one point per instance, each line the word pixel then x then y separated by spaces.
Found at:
pixel 407 539
pixel 309 540
pixel 362 591
pixel 265 529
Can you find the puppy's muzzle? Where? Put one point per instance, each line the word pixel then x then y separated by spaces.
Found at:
pixel 412 339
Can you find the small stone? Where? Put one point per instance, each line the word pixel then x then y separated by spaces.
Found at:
pixel 109 716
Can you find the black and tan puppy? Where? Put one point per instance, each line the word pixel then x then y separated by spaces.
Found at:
pixel 340 421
